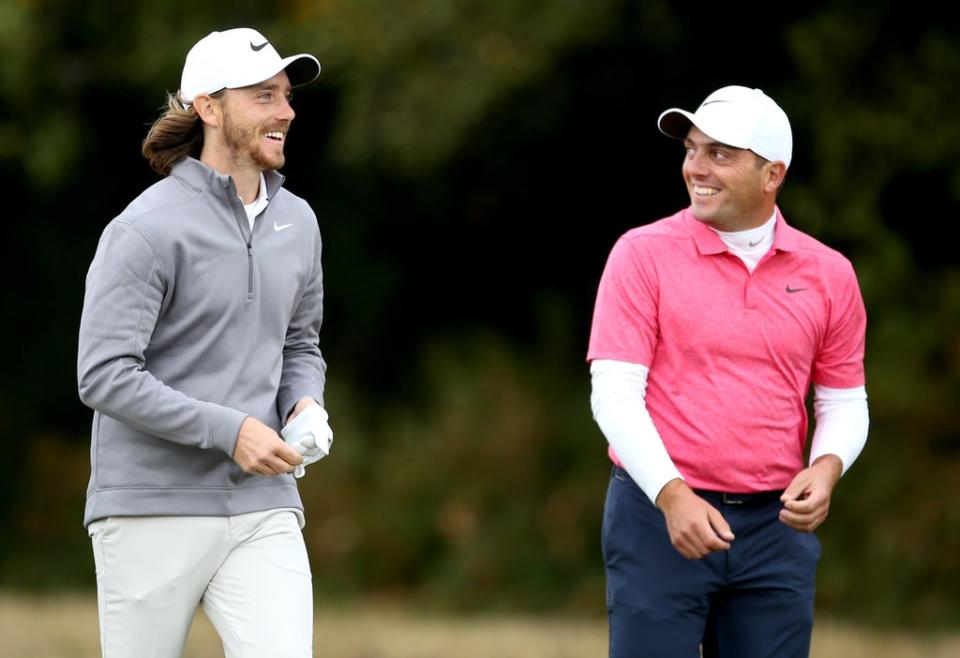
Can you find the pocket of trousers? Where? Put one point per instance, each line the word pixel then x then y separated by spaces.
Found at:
pixel 96 530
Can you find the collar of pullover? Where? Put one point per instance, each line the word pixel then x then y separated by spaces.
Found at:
pixel 199 176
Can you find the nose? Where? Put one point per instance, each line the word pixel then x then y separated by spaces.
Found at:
pixel 285 111
pixel 695 164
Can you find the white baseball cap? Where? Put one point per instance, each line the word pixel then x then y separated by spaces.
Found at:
pixel 239 58
pixel 740 117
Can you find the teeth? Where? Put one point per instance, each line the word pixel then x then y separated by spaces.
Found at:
pixel 275 134
pixel 705 191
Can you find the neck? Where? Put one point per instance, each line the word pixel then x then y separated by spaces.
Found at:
pixel 758 217
pixel 749 237
pixel 245 174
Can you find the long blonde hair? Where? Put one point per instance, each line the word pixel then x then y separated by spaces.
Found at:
pixel 176 134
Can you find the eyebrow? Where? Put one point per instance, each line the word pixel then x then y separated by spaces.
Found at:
pixel 712 144
pixel 271 87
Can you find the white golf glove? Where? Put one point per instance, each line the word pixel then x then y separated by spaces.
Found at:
pixel 310 435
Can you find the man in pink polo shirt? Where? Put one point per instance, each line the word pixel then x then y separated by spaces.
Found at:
pixel 710 327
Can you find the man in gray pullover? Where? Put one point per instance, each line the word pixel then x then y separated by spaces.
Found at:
pixel 198 341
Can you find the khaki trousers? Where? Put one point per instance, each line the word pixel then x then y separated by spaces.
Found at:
pixel 250 573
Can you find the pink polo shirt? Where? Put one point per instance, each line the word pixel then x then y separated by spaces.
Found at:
pixel 731 354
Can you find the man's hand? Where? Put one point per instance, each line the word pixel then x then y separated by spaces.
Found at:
pixel 696 527
pixel 806 502
pixel 309 433
pixel 260 451
pixel 302 404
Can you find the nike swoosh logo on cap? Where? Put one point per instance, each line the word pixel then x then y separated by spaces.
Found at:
pixel 258 48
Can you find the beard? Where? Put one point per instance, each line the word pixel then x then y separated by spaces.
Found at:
pixel 243 140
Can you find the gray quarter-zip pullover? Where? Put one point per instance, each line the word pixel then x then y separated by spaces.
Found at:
pixel 191 322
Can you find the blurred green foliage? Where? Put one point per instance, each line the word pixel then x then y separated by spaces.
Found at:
pixel 420 74
pixel 475 492
pixel 471 164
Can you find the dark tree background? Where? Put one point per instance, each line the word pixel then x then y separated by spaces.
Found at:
pixel 471 163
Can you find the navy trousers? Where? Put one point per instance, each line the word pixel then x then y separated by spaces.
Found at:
pixel 752 601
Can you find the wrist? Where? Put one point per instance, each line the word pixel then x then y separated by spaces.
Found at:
pixel 829 464
pixel 301 404
pixel 670 492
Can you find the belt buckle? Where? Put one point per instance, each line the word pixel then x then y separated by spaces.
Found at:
pixel 731 499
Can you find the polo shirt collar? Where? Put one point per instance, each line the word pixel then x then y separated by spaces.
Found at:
pixel 785 237
pixel 709 243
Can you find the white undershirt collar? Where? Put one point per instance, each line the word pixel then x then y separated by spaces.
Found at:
pixel 750 245
pixel 255 208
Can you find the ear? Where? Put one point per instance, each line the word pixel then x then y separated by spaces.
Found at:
pixel 774 174
pixel 208 109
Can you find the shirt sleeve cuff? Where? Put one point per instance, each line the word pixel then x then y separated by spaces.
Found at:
pixel 224 426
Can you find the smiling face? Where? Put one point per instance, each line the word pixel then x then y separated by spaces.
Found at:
pixel 255 123
pixel 731 189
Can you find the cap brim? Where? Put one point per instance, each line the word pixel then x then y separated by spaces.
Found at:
pixel 675 123
pixel 301 69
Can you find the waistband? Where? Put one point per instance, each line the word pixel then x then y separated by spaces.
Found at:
pixel 744 499
pixel 718 497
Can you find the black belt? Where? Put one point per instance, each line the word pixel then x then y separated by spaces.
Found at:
pixel 727 498
pixel 721 497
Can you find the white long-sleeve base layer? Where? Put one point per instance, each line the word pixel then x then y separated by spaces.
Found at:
pixel 618 401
